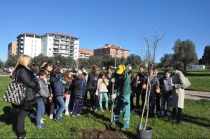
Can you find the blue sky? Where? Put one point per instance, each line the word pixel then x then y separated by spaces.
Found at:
pixel 119 22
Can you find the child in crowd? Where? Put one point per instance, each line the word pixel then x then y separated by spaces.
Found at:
pixel 102 90
pixel 43 94
pixel 154 87
pixel 130 73
pixel 78 88
pixel 68 77
pixel 57 89
pixel 166 90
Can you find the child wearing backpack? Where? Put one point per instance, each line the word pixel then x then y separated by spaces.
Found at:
pixel 43 94
pixel 78 89
pixel 102 90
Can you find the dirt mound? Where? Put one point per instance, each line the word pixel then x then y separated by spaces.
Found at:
pixel 108 134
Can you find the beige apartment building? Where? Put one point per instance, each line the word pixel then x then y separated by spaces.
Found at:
pixel 112 50
pixel 85 53
pixel 12 49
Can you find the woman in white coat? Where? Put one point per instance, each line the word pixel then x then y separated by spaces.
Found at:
pixel 178 92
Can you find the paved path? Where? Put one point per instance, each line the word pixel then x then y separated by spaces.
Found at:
pixel 196 95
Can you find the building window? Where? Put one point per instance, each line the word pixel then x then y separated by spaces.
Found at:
pixel 50 49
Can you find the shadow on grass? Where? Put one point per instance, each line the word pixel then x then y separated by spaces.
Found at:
pixel 196 120
pixel 189 119
pixel 9 118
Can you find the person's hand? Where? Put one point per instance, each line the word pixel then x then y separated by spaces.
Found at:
pixel 96 93
pixel 113 96
pixel 113 80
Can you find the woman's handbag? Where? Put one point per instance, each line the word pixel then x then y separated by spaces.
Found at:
pixel 187 83
pixel 15 93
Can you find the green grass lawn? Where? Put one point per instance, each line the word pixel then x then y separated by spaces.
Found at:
pixel 196 121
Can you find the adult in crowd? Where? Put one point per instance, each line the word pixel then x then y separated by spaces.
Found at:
pixel 27 78
pixel 43 64
pixel 122 96
pixel 92 86
pixel 178 92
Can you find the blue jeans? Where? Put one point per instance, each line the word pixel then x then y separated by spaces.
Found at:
pixel 166 97
pixel 60 106
pixel 78 106
pixel 40 111
pixel 101 98
pixel 152 104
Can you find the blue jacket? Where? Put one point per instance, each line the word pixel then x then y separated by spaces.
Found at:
pixel 57 85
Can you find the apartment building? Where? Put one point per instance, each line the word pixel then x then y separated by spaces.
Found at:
pixel 59 43
pixel 12 49
pixel 29 44
pixel 85 53
pixel 112 50
pixel 49 44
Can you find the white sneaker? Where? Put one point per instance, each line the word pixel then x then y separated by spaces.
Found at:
pixel 66 113
pixel 51 116
pixel 42 121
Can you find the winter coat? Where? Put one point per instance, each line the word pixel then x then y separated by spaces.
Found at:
pixel 78 87
pixel 178 92
pixel 44 91
pixel 27 78
pixel 57 85
pixel 92 81
pixel 102 85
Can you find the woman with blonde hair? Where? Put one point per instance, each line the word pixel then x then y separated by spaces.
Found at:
pixel 68 77
pixel 26 77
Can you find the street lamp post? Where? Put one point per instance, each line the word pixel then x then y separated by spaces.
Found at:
pixel 116 55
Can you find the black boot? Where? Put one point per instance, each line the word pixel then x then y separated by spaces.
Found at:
pixel 179 117
pixel 174 114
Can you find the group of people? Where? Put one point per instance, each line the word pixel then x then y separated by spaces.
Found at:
pixel 58 92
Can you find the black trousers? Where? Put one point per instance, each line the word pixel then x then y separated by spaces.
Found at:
pixel 21 121
pixel 158 96
pixel 93 98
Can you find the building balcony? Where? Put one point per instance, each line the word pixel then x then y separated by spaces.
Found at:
pixel 55 46
pixel 56 42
